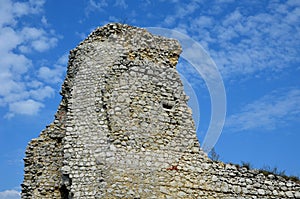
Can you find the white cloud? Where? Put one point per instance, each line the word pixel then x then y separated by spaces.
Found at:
pixel 169 20
pixel 44 21
pixel 63 60
pixel 37 39
pixel 9 39
pixel 8 85
pixel 27 107
pixel 121 3
pixel 172 1
pixel 34 84
pixel 94 5
pixel 44 44
pixel 30 33
pixel 49 75
pixel 52 75
pixel 187 9
pixel 16 64
pixel 232 18
pixel 226 1
pixel 10 10
pixel 21 8
pixel 181 12
pixel 20 91
pixel 42 93
pixel 14 91
pixel 293 2
pixel 203 22
pixel 267 113
pixel 245 39
pixel 264 41
pixel 10 194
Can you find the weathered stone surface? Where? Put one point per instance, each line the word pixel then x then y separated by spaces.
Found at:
pixel 124 130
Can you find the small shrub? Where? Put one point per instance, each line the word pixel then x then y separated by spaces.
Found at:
pixel 213 155
pixel 247 165
pixel 273 170
pixel 294 179
pixel 267 170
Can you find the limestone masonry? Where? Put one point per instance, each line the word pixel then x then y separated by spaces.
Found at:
pixel 123 130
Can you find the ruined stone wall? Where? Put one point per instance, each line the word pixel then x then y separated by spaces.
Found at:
pixel 44 158
pixel 124 130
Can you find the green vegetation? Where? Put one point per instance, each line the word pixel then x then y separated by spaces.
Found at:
pixel 274 170
pixel 266 170
pixel 247 165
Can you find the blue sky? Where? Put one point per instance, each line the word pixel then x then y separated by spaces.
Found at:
pixel 255 45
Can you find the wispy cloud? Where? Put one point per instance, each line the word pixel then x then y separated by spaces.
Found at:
pixel 274 110
pixel 36 39
pixel 54 75
pixel 101 5
pixel 121 3
pixel 27 107
pixel 95 5
pixel 243 38
pixel 182 10
pixel 10 11
pixel 21 90
pixel 10 194
pixel 261 42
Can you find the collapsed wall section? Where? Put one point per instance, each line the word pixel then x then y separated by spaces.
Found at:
pixel 124 130
pixel 128 120
pixel 44 159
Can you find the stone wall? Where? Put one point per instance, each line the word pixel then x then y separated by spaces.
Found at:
pixel 124 130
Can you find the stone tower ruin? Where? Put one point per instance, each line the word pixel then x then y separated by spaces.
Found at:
pixel 123 130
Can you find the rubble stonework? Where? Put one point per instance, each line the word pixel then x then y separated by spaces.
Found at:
pixel 123 130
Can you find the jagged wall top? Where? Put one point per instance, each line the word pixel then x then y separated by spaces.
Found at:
pixel 137 42
pixel 123 130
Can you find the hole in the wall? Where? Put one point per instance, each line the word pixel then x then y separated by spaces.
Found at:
pixel 168 105
pixel 64 192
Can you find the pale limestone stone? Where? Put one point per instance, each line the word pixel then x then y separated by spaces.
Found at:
pixel 297 194
pixel 123 127
pixel 261 192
